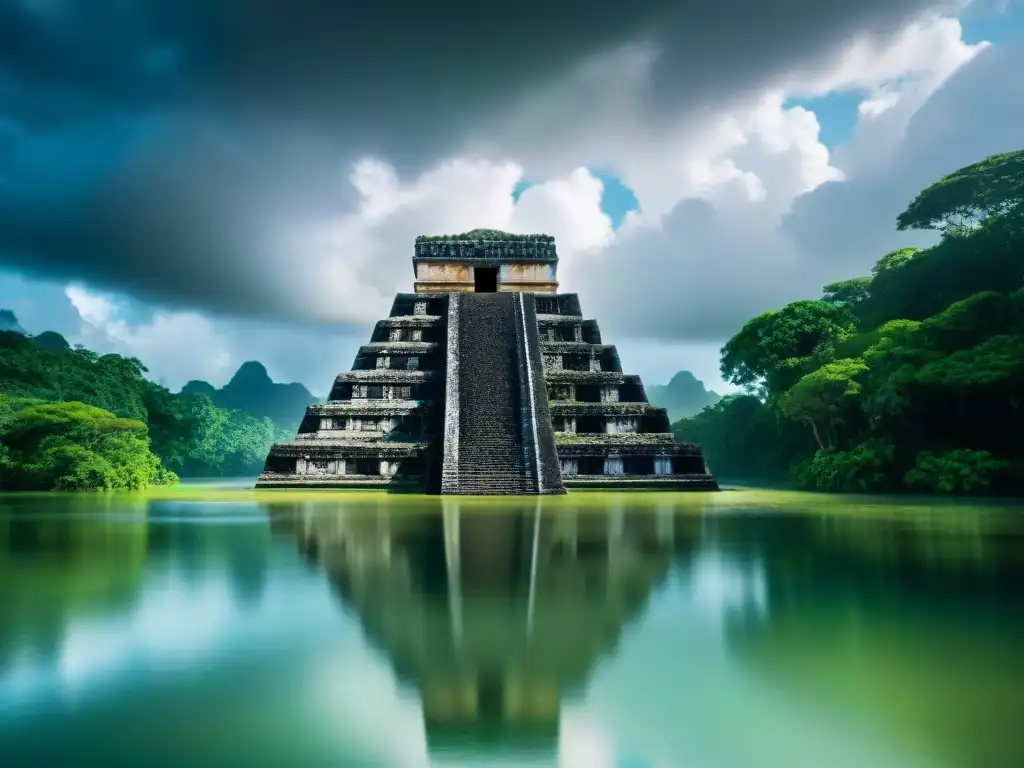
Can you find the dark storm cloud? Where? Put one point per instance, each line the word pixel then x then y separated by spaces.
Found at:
pixel 737 266
pixel 160 147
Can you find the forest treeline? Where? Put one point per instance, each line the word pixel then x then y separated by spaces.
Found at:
pixel 71 419
pixel 910 378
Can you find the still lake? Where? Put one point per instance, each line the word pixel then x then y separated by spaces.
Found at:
pixel 225 627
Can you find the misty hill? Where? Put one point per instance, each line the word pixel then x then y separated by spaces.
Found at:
pixel 52 341
pixel 9 322
pixel 685 395
pixel 252 391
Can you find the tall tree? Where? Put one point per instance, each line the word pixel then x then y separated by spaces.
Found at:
pixel 774 349
pixel 959 202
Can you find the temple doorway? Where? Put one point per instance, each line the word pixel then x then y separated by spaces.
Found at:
pixel 485 279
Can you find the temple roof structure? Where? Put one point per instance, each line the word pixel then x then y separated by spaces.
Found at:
pixel 486 245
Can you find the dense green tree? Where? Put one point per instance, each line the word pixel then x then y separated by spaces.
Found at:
pixel 868 466
pixel 73 446
pixel 964 199
pixel 917 381
pixel 252 391
pixel 850 293
pixel 957 471
pixel 742 437
pixel 189 433
pixel 994 368
pixel 774 349
pixel 893 260
pixel 824 397
pixel 965 323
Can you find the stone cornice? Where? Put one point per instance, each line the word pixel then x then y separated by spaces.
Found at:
pixel 626 439
pixel 704 482
pixel 543 320
pixel 399 348
pixel 366 407
pixel 575 408
pixel 346 449
pixel 570 450
pixel 410 321
pixel 590 377
pixel 386 376
pixel 577 347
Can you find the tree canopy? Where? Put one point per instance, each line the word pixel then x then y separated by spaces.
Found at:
pixel 910 379
pixel 959 202
pixel 73 446
pixel 59 402
pixel 773 349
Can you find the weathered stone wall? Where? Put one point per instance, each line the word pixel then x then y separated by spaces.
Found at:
pixel 534 247
pixel 453 276
pixel 443 272
pixel 373 431
pixel 526 273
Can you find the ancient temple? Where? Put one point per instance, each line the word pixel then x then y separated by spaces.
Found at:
pixel 486 381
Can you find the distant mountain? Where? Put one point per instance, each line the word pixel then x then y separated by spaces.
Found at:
pixel 52 341
pixel 683 396
pixel 252 391
pixel 198 387
pixel 9 322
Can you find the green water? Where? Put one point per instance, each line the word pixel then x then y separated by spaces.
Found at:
pixel 208 627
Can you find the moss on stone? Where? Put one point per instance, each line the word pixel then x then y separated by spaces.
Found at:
pixel 484 235
pixel 626 438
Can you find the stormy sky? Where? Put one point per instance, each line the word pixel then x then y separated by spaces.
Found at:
pixel 200 182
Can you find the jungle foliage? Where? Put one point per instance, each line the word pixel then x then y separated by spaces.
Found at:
pixel 911 378
pixel 70 446
pixel 72 419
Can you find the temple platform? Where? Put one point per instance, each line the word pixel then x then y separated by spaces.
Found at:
pixel 456 392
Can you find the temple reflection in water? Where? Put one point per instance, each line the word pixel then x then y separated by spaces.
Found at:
pixel 497 616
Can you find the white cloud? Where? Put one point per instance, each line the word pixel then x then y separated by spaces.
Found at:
pixel 179 346
pixel 897 82
pixel 778 214
pixel 976 112
pixel 353 267
pixel 175 346
pixel 718 261
pixel 927 50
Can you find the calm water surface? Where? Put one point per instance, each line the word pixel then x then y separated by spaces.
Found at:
pixel 743 629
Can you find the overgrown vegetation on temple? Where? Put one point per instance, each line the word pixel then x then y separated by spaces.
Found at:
pixel 72 420
pixel 484 235
pixel 911 378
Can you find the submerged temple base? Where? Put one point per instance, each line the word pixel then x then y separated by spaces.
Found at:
pixel 494 386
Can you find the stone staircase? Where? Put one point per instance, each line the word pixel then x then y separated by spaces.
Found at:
pixel 489 437
pixel 542 453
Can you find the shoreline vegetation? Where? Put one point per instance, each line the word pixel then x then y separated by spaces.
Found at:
pixel 72 420
pixel 910 379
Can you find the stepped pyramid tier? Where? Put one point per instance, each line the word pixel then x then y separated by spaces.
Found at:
pixel 486 381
